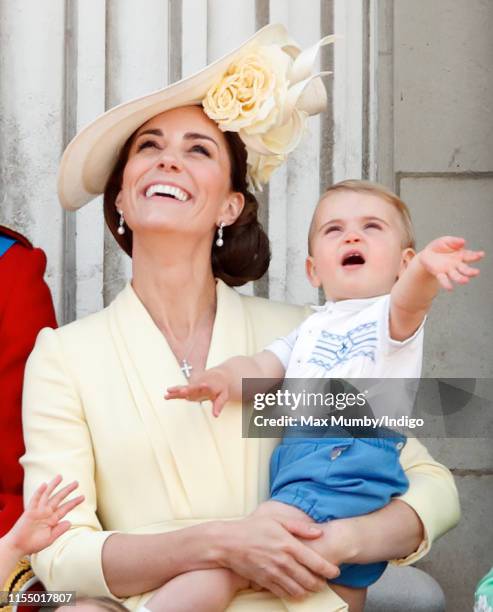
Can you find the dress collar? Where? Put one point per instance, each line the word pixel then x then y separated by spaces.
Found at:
pixel 348 305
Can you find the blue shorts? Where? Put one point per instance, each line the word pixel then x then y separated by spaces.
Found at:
pixel 331 478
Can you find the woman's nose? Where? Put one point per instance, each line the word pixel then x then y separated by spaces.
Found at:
pixel 169 162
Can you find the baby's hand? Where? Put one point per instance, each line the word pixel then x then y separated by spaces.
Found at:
pixel 41 523
pixel 209 385
pixel 447 260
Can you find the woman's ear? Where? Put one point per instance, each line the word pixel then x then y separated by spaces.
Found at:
pixel 118 201
pixel 232 208
pixel 406 257
pixel 311 272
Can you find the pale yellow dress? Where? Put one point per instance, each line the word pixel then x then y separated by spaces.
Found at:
pixel 94 411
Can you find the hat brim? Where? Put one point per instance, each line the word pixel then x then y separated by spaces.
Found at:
pixel 90 157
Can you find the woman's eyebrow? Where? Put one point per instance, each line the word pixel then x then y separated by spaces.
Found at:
pixel 154 132
pixel 196 136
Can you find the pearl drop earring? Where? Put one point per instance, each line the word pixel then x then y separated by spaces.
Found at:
pixel 121 228
pixel 220 241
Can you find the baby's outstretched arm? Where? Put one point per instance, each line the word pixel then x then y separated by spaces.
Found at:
pixel 38 526
pixel 223 383
pixel 441 263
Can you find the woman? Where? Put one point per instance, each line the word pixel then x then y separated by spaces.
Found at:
pixel 177 200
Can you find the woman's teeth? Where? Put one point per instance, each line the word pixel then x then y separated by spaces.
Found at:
pixel 167 190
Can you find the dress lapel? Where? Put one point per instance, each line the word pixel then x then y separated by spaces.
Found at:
pixel 201 459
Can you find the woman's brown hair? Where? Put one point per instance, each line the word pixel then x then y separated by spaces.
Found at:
pixel 245 254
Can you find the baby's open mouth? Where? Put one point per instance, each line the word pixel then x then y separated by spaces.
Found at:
pixel 353 258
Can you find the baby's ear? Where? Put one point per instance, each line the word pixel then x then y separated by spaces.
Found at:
pixel 407 255
pixel 311 272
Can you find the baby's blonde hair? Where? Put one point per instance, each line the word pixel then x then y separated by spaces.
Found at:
pixel 360 186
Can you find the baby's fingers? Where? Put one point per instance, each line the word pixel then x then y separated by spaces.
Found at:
pixel 56 499
pixel 36 498
pixel 444 281
pixel 59 529
pixel 218 404
pixel 453 242
pixel 458 278
pixel 52 485
pixel 467 270
pixel 65 508
pixel 178 392
pixel 471 256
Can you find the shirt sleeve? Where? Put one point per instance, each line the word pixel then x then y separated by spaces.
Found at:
pixel 58 440
pixel 389 344
pixel 283 347
pixel 432 494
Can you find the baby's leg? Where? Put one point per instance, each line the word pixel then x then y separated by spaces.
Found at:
pixel 206 590
pixel 354 597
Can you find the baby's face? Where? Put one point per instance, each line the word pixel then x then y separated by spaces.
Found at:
pixel 356 246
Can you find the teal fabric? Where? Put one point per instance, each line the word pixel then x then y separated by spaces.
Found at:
pixel 483 598
pixel 5 244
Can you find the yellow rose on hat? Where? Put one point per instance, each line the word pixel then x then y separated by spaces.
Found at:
pixel 249 94
pixel 266 94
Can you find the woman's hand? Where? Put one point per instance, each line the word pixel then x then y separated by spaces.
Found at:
pixel 392 532
pixel 268 552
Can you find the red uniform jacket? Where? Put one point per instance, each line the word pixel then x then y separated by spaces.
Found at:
pixel 25 307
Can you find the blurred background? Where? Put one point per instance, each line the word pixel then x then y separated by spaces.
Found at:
pixel 410 105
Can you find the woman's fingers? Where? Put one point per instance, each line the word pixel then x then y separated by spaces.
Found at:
pixel 302 529
pixel 289 587
pixel 306 579
pixel 314 562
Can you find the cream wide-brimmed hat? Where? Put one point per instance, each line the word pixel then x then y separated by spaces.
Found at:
pixel 264 90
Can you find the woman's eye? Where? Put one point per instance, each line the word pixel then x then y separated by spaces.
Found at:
pixel 198 148
pixel 145 144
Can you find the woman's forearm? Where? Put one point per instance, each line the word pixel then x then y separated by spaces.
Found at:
pixel 134 564
pixel 393 532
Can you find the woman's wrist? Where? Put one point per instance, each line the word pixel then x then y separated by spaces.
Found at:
pixel 393 532
pixel 341 541
pixel 221 535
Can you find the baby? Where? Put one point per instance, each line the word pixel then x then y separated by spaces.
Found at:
pixel 39 525
pixel 378 291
